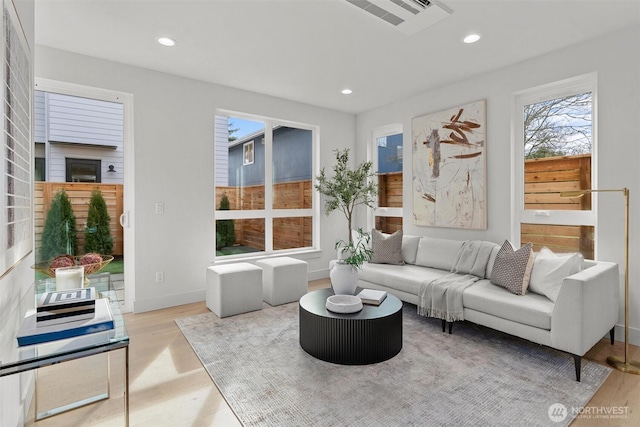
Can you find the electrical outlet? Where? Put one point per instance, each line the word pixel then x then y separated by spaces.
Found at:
pixel 159 208
pixel 159 276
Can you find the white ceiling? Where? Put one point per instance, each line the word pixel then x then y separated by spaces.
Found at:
pixel 308 50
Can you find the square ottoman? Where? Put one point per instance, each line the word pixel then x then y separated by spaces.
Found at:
pixel 234 288
pixel 284 279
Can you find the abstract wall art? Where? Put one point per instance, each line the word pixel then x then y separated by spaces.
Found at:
pixel 449 167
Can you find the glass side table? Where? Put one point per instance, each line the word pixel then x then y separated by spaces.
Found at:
pixel 26 358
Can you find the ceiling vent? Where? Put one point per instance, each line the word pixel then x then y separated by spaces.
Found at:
pixel 408 16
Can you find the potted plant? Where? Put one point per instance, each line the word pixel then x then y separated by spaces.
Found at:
pixel 347 189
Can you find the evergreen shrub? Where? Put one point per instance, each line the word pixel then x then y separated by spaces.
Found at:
pixel 59 235
pixel 97 235
pixel 225 233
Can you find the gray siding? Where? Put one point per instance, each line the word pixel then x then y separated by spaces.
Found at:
pixel 221 138
pixel 60 152
pixel 292 154
pixel 39 117
pixel 79 128
pixel 388 156
pixel 85 121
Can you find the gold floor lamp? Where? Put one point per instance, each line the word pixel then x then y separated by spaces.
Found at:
pixel 624 365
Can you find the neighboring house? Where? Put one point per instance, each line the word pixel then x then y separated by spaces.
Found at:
pixel 389 153
pixel 77 139
pixel 291 157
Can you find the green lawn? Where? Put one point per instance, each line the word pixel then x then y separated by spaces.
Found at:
pixel 114 267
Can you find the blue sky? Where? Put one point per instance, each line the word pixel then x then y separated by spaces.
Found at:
pixel 245 127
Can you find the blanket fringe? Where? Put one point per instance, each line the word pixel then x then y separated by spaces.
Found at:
pixel 440 314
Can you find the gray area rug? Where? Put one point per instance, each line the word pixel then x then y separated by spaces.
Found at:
pixel 475 377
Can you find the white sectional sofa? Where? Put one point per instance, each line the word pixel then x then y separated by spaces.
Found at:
pixel 585 309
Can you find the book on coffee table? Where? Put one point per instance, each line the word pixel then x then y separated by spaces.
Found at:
pixel 372 296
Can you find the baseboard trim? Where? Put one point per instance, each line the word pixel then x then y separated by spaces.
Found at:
pixel 168 301
pixel 634 334
pixel 318 274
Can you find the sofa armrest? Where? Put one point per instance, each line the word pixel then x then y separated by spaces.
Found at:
pixel 586 309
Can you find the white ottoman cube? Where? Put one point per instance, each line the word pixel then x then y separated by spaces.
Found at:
pixel 234 288
pixel 284 279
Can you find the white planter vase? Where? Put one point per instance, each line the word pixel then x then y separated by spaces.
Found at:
pixel 344 278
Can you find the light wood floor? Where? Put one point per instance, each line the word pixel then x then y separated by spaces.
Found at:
pixel 169 386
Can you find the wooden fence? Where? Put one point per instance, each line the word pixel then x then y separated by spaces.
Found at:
pixel 79 196
pixel 288 233
pixel 544 180
pixel 390 196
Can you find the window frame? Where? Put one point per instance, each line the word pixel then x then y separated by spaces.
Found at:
pixel 379 132
pixel 268 214
pixel 70 162
pixel 559 89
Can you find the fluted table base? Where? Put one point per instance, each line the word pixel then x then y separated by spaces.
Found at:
pixel 370 336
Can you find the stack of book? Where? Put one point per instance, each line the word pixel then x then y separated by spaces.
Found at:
pixel 65 314
pixel 54 308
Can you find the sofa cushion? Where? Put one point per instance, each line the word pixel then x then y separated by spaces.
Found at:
pixel 512 268
pixel 549 270
pixel 406 278
pixel 531 309
pixel 410 248
pixel 438 253
pixel 492 259
pixel 386 249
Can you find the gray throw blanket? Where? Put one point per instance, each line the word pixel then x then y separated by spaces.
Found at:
pixel 472 258
pixel 442 298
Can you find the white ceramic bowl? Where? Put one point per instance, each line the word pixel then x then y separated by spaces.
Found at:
pixel 344 304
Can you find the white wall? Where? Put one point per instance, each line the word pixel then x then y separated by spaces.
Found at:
pixel 617 63
pixel 16 296
pixel 174 133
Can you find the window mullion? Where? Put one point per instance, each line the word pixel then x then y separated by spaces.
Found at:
pixel 268 187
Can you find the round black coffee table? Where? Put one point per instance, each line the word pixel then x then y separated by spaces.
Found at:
pixel 371 335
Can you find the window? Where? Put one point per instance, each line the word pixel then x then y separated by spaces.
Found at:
pixel 263 187
pixel 554 149
pixel 39 169
pixel 388 164
pixel 83 170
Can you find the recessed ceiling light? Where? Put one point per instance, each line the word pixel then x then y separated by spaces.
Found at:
pixel 347 91
pixel 471 38
pixel 166 41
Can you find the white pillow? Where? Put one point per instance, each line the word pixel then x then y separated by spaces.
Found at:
pixel 410 248
pixel 549 270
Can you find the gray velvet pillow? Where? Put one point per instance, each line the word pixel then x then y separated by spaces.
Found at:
pixel 512 268
pixel 386 250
